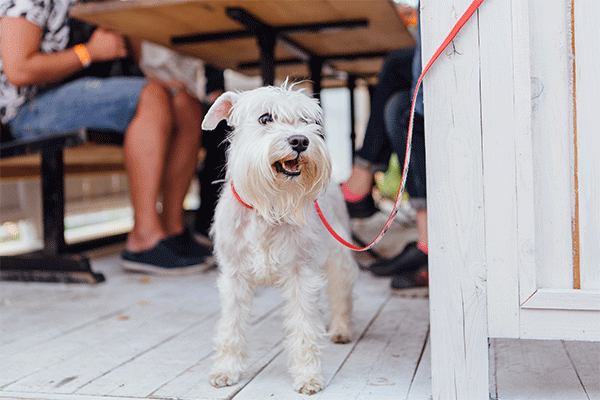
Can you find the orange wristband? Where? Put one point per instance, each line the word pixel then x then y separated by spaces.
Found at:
pixel 84 56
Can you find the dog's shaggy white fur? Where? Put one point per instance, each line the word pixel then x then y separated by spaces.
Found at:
pixel 278 163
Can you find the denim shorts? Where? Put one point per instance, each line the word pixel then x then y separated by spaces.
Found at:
pixel 97 103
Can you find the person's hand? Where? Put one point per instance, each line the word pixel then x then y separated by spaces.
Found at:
pixel 105 45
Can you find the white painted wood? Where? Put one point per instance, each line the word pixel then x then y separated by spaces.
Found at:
pixel 179 369
pixel 54 396
pixel 587 62
pixel 420 389
pixel 187 354
pixel 275 378
pixel 384 363
pixel 552 142
pixel 457 267
pixel 522 88
pixel 560 324
pixel 524 373
pixel 45 323
pixel 585 357
pixel 499 118
pixel 564 299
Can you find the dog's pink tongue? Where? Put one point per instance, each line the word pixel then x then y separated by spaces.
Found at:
pixel 291 165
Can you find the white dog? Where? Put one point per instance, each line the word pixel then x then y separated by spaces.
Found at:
pixel 266 230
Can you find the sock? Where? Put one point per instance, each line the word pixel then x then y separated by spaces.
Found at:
pixel 423 247
pixel 350 196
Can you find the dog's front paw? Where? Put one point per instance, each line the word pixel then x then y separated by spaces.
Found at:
pixel 340 333
pixel 340 338
pixel 222 378
pixel 309 386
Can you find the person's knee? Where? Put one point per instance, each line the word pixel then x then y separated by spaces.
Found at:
pixel 155 99
pixel 188 117
pixel 187 105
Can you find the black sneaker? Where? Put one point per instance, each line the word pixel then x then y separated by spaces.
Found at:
pixel 409 259
pixel 363 208
pixel 412 284
pixel 162 259
pixel 186 245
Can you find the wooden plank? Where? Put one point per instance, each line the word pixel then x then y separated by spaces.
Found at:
pixel 275 379
pixel 85 159
pixel 119 341
pixel 552 143
pixel 265 350
pixel 264 344
pixel 40 313
pixel 78 333
pixel 55 396
pixel 523 371
pixel 560 324
pixel 587 99
pixel 420 388
pixel 585 357
pixel 524 87
pixel 384 362
pixel 385 32
pixel 499 118
pixel 189 354
pixel 457 262
pixel 564 299
pixel 66 364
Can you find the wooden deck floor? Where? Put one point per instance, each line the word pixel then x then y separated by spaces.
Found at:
pixel 137 337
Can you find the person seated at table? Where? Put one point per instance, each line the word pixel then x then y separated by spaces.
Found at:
pixel 160 121
pixel 386 133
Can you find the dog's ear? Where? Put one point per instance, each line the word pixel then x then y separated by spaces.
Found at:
pixel 219 110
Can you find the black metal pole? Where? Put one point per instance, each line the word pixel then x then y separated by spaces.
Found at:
pixel 53 194
pixel 316 66
pixel 266 43
pixel 351 86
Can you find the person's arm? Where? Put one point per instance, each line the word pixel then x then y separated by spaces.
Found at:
pixel 24 64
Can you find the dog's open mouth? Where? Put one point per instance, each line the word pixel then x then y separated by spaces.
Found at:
pixel 288 167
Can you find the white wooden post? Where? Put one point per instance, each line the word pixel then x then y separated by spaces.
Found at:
pixel 459 335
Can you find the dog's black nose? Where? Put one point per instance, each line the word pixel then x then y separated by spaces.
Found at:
pixel 299 143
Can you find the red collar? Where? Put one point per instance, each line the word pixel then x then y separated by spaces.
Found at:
pixel 237 196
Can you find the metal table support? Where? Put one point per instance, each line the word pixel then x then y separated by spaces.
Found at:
pixel 268 36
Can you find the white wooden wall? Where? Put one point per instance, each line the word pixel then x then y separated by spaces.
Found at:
pixel 457 267
pixel 513 176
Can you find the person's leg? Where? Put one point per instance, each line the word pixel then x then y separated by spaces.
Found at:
pixel 374 154
pixel 181 160
pixel 210 176
pixel 95 103
pixel 142 111
pixel 144 149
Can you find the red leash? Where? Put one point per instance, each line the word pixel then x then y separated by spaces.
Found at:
pixel 461 22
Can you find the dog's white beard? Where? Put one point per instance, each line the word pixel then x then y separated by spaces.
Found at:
pixel 276 197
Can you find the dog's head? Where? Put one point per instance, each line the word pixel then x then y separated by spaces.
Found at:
pixel 277 156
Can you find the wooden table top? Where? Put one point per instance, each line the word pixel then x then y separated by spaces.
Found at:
pixel 159 21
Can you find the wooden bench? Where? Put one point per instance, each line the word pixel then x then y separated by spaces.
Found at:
pixel 58 261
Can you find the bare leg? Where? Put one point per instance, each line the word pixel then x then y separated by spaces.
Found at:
pixel 144 150
pixel 181 160
pixel 360 181
pixel 422 225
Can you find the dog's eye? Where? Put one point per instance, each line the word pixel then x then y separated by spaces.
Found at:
pixel 304 121
pixel 265 118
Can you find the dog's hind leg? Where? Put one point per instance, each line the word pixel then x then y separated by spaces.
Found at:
pixel 236 303
pixel 305 329
pixel 342 272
